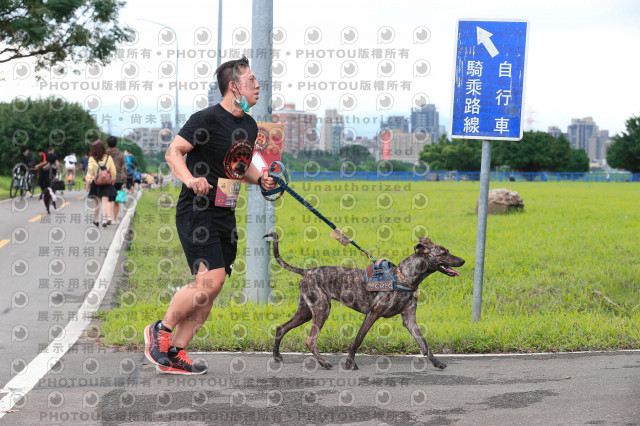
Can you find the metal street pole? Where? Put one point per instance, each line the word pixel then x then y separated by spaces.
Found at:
pixel 260 213
pixel 485 167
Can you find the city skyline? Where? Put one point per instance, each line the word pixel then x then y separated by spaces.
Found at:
pixel 563 80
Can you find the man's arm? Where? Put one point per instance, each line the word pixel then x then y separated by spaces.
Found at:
pixel 175 158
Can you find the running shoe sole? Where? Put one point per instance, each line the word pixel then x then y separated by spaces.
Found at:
pixel 177 371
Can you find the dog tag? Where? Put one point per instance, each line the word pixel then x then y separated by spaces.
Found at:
pixel 227 192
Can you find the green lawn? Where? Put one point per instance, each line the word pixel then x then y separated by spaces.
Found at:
pixel 5 184
pixel 542 269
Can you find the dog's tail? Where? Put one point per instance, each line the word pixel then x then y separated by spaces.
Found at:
pixel 276 254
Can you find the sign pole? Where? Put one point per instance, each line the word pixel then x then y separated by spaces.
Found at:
pixel 488 99
pixel 478 276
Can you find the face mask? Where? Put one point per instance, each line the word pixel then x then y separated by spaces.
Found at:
pixel 242 102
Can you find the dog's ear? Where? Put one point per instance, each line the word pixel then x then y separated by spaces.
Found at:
pixel 424 245
pixel 426 242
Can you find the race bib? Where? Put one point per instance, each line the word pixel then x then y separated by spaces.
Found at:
pixel 227 192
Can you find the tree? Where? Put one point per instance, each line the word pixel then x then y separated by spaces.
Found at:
pixel 624 152
pixel 357 154
pixel 578 161
pixel 531 154
pixel 55 31
pixel 537 151
pixel 39 123
pixel 458 154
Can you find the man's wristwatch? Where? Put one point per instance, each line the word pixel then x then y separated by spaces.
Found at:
pixel 260 182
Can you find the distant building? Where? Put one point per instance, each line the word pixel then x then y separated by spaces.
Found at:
pixel 584 134
pixel 396 122
pixel 370 144
pixel 332 134
pixel 152 139
pixel 300 132
pixel 426 118
pixel 598 144
pixel 405 147
pixel 554 131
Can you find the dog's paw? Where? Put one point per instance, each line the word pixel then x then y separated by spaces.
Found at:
pixel 326 365
pixel 440 365
pixel 350 364
pixel 278 358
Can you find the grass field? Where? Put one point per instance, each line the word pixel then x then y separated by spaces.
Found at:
pixel 5 184
pixel 543 268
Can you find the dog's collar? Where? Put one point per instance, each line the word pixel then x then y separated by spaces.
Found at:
pixel 403 279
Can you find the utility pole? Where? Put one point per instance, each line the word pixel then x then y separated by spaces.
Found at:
pixel 260 213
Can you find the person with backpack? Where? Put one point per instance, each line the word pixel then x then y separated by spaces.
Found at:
pixel 101 175
pixel 137 178
pixel 131 169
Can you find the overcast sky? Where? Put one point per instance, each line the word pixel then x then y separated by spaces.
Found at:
pixel 581 58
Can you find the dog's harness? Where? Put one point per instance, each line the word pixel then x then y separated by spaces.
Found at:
pixel 378 277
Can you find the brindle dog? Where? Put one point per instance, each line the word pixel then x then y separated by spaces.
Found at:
pixel 320 285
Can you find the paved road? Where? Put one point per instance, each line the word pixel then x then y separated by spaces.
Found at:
pixel 94 385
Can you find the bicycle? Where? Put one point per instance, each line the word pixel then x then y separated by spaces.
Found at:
pixel 20 183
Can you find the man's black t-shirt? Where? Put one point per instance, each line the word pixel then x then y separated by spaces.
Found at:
pixel 52 157
pixel 222 148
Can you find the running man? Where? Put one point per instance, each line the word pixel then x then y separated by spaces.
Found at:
pixel 218 143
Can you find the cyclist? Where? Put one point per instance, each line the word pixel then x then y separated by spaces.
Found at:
pixel 24 160
pixel 22 172
pixel 70 164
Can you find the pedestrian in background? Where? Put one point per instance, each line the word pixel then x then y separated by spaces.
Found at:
pixel 46 171
pixel 101 172
pixel 85 164
pixel 70 165
pixel 121 174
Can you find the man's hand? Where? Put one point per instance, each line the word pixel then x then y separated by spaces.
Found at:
pixel 199 185
pixel 267 183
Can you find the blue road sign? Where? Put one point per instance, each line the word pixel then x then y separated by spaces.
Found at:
pixel 488 89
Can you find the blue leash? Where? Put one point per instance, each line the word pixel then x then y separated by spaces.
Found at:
pixel 282 179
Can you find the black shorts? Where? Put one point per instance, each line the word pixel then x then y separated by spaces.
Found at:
pixel 129 182
pixel 118 187
pixel 208 236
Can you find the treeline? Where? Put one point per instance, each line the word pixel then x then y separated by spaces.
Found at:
pixel 39 123
pixel 351 158
pixel 537 151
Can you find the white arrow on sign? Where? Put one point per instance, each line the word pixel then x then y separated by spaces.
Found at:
pixel 484 37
